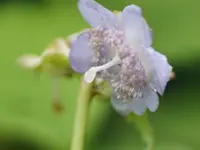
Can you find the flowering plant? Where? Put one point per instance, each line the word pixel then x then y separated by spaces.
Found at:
pixel 117 60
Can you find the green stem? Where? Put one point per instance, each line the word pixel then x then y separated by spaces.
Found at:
pixel 81 117
pixel 144 127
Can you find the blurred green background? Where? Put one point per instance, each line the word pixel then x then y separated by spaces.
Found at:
pixel 27 121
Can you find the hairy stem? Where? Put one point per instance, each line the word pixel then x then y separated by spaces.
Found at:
pixel 81 117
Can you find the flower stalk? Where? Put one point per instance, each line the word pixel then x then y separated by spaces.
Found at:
pixel 144 127
pixel 81 116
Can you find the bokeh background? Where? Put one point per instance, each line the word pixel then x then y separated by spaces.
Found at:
pixel 27 121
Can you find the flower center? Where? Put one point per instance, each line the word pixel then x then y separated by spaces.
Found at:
pixel 90 75
pixel 106 44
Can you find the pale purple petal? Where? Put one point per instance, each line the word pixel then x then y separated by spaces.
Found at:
pixel 137 106
pixel 157 68
pixel 162 71
pixel 151 98
pixel 135 27
pixel 95 14
pixel 120 107
pixel 80 54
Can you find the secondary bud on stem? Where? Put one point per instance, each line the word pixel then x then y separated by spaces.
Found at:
pixel 53 61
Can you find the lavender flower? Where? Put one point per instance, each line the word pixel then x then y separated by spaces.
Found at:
pixel 118 50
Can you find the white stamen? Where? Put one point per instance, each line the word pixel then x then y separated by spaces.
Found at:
pixel 90 75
